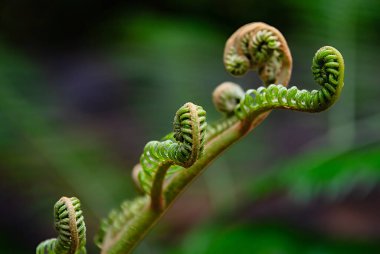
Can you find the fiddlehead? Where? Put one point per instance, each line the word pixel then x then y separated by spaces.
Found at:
pixel 69 223
pixel 225 97
pixel 261 48
pixel 328 72
pixel 182 149
pixel 255 46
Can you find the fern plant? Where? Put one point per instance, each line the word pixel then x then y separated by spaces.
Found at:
pixel 168 166
pixel 69 223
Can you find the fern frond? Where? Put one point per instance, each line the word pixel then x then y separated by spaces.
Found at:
pixel 189 132
pixel 120 218
pixel 225 97
pixel 193 145
pixel 69 223
pixel 258 47
pixel 328 72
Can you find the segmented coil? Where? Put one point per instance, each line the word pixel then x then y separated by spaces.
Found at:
pixel 328 72
pixel 119 218
pixel 69 223
pixel 236 64
pixel 256 50
pixel 218 127
pixel 225 97
pixel 260 46
pixel 189 132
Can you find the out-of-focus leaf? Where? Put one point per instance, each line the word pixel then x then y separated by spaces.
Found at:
pixel 323 173
pixel 266 239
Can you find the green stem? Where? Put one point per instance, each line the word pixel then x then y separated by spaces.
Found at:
pixel 141 225
pixel 157 203
pixel 328 71
pixel 134 233
pixel 212 150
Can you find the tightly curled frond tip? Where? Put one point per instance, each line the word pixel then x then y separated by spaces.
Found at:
pixel 187 146
pixel 328 72
pixel 69 223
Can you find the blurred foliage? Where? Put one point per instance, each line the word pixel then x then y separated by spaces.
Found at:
pixel 80 87
pixel 327 175
pixel 39 158
pixel 330 174
pixel 266 238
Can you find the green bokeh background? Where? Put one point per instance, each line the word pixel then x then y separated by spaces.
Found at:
pixel 85 84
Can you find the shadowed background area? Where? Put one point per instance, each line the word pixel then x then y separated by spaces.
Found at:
pixel 85 84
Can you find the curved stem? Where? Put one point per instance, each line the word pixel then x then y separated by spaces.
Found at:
pixel 212 150
pixel 255 46
pixel 181 149
pixel 142 224
pixel 131 236
pixel 157 203
pixel 186 147
pixel 137 227
pixel 328 71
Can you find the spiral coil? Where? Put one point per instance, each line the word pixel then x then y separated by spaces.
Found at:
pixel 189 132
pixel 235 64
pixel 69 223
pixel 255 46
pixel 260 46
pixel 328 72
pixel 255 50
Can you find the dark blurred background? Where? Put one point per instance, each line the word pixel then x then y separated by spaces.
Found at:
pixel 85 84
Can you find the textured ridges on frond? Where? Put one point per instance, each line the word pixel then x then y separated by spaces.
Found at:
pixel 155 154
pixel 69 223
pixel 67 213
pixel 253 50
pixel 189 130
pixel 46 247
pixel 274 96
pixel 218 127
pixel 236 64
pixel 189 134
pixel 258 47
pixel 119 218
pixel 328 71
